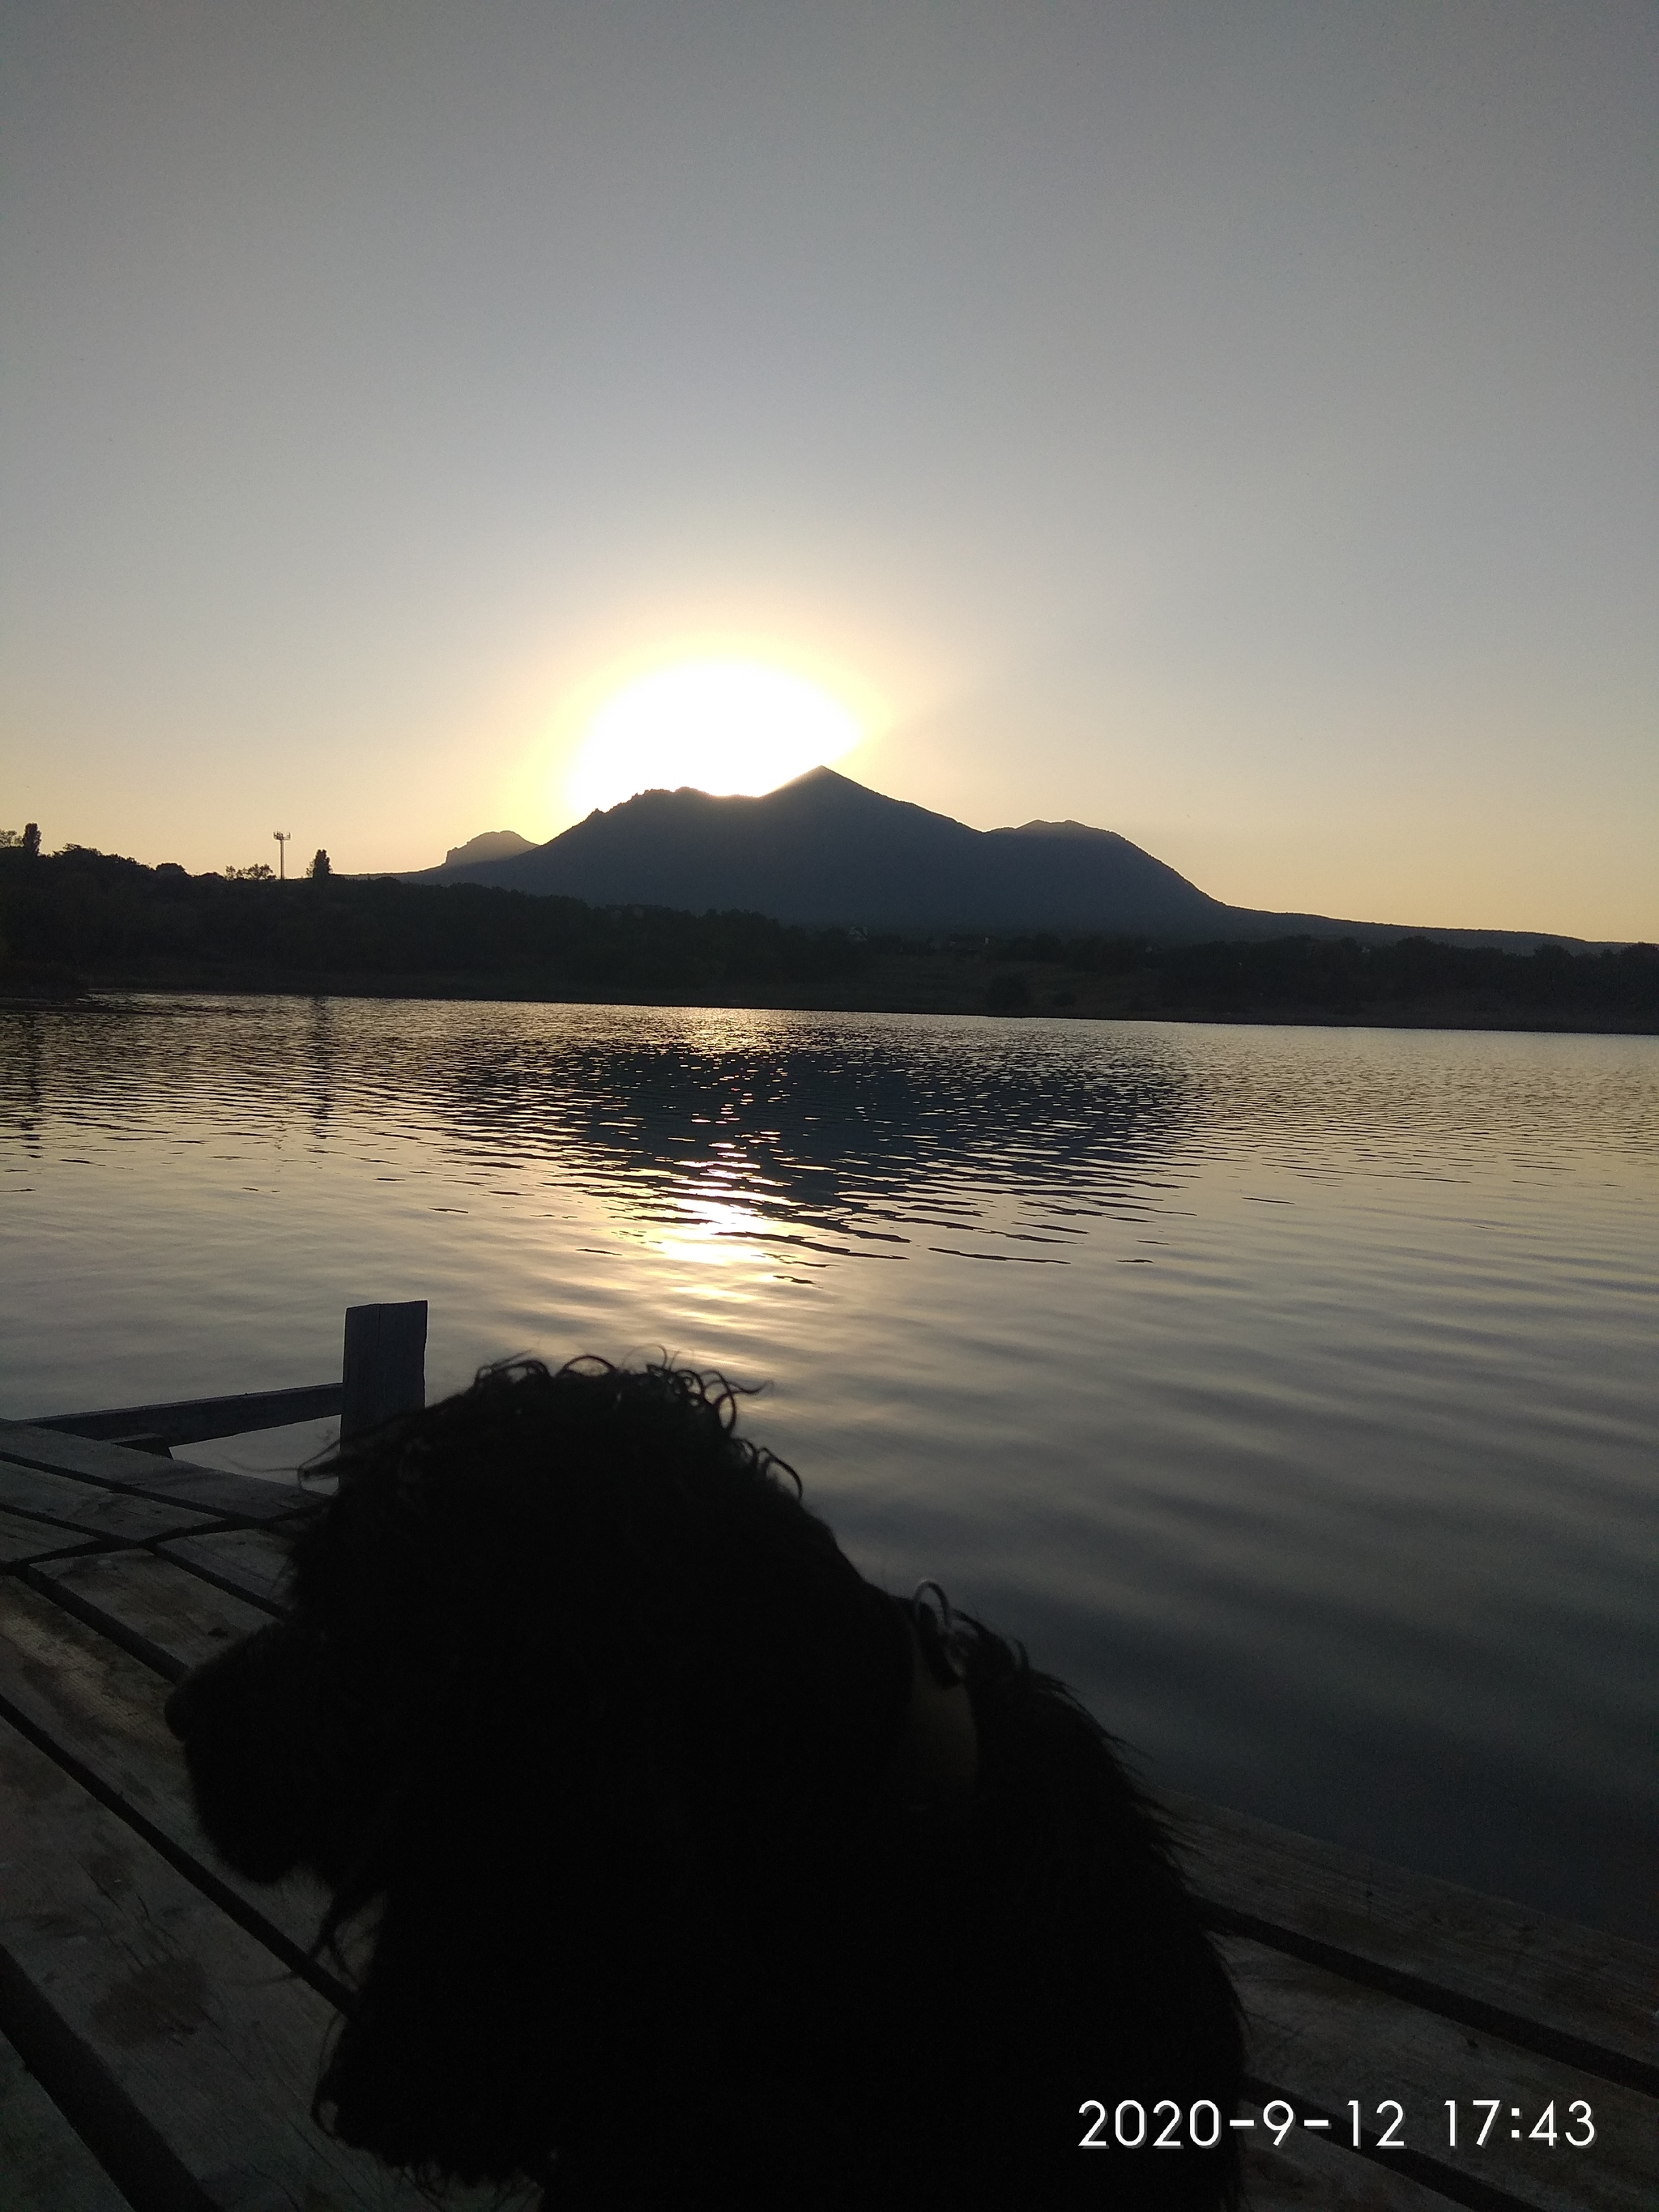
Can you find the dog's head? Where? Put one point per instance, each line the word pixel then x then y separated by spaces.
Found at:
pixel 622 1774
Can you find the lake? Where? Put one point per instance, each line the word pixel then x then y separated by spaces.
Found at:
pixel 1293 1393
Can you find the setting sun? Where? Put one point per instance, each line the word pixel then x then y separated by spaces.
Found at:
pixel 721 725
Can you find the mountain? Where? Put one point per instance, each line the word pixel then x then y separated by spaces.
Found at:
pixel 489 844
pixel 825 849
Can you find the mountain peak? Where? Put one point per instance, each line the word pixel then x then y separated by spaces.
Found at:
pixel 824 848
pixel 488 845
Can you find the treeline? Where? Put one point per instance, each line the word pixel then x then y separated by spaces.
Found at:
pixel 79 919
pixel 83 917
pixel 1337 979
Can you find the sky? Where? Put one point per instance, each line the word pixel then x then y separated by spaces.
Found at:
pixel 1231 423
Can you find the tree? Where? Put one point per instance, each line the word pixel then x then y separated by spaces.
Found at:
pixel 320 866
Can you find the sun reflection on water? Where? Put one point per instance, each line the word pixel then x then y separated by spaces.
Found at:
pixel 1289 1391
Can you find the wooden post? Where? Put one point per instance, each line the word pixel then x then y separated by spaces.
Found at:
pixel 385 1367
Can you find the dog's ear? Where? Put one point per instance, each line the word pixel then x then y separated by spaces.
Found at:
pixel 273 1787
pixel 524 1989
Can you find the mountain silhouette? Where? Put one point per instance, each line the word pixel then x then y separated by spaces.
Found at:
pixel 489 844
pixel 826 850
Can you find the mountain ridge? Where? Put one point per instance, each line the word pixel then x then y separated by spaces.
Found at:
pixel 825 850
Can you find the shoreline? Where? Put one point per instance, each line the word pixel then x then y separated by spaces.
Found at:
pixel 936 985
pixel 80 922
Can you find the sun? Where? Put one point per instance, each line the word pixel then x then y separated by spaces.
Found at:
pixel 721 726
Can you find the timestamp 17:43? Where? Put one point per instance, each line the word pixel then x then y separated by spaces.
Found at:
pixel 1577 2130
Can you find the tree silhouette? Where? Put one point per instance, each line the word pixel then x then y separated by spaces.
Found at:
pixel 320 866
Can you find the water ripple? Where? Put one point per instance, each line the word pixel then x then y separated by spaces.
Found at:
pixel 1291 1391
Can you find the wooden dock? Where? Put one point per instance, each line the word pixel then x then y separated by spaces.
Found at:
pixel 161 2019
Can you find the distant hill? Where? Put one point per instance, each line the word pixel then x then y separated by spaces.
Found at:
pixel 825 850
pixel 489 845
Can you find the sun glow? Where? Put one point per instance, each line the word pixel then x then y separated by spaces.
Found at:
pixel 721 726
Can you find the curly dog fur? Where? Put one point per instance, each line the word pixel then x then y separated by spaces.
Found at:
pixel 590 1728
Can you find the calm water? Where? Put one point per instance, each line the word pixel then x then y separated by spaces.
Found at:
pixel 1292 1392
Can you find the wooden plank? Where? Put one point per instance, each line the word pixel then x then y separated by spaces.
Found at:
pixel 155 2023
pixel 34 1495
pixel 168 1618
pixel 1323 2039
pixel 252 1563
pixel 194 1420
pixel 1495 1965
pixel 96 1710
pixel 385 1365
pixel 21 1539
pixel 43 2164
pixel 138 1474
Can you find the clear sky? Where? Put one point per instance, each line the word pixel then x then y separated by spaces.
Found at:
pixel 1232 422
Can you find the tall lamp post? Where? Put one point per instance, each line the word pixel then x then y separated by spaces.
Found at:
pixel 281 837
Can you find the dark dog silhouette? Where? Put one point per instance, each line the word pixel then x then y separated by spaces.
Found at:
pixel 680 1865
